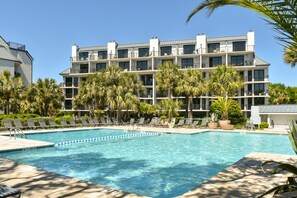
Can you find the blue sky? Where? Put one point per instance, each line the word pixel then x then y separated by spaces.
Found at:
pixel 49 28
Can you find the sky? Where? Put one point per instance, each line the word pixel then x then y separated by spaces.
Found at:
pixel 50 28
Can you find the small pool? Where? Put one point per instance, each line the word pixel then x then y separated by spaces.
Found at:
pixel 158 166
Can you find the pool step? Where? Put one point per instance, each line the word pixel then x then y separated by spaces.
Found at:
pixel 107 138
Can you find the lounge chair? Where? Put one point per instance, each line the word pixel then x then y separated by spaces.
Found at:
pixel 108 121
pixel 84 121
pixel 91 122
pixel 52 123
pixel 187 121
pixel 132 121
pixel 42 123
pixel 103 121
pixel 181 122
pixel 18 124
pixel 73 123
pixel 115 121
pixel 31 124
pixel 141 121
pixel 8 124
pixel 152 122
pixel 195 123
pixel 64 123
pixel 6 191
pixel 95 121
pixel 204 122
pixel 250 125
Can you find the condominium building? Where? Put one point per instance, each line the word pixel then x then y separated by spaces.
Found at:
pixel 15 58
pixel 201 53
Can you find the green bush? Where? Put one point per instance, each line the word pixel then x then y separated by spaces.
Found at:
pixel 235 114
pixel 264 125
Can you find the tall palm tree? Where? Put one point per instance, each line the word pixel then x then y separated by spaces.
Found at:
pixel 11 92
pixel 45 97
pixel 167 77
pixel 191 84
pixel 278 94
pixel 280 14
pixel 225 81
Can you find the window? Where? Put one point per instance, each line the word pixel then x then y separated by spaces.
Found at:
pixel 123 53
pixel 167 60
pixel 239 46
pixel 186 63
pixel 68 93
pixel 189 49
pixel 102 54
pixel 68 104
pixel 84 68
pixel 142 65
pixel 75 92
pixel 100 66
pixel 259 101
pixel 146 79
pixel 259 75
pixel 237 60
pixel 250 75
pixel 75 81
pixel 83 55
pixel 165 50
pixel 250 90
pixel 124 65
pixel 215 61
pixel 213 47
pixel 250 103
pixel 259 89
pixel 142 52
pixel 68 82
pixel 242 103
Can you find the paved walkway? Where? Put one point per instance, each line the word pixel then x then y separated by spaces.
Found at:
pixel 245 178
pixel 37 183
pixel 9 144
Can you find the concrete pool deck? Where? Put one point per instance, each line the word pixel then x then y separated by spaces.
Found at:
pixel 242 179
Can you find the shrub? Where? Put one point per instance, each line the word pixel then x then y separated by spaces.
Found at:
pixel 264 125
pixel 234 113
pixel 22 117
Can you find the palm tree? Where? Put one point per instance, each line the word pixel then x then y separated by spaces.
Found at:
pixel 280 14
pixel 225 81
pixel 167 77
pixel 11 92
pixel 278 94
pixel 45 97
pixel 169 107
pixel 191 84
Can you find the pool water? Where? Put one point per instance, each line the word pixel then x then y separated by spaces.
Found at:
pixel 159 166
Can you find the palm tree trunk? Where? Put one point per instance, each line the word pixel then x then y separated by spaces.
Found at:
pixel 190 107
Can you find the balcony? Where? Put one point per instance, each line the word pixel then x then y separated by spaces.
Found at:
pixel 141 67
pixel 79 59
pixel 78 71
pixel 69 84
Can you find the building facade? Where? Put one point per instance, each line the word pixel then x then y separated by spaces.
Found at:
pixel 15 58
pixel 201 53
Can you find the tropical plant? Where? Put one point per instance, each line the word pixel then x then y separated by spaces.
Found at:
pixel 167 77
pixel 11 92
pixel 111 89
pixel 222 105
pixel 213 118
pixel 44 97
pixel 146 110
pixel 191 84
pixel 278 94
pixel 169 107
pixel 225 81
pixel 280 14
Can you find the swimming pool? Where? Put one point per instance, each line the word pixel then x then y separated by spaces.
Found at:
pixel 158 166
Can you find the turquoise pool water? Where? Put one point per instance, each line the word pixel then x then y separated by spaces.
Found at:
pixel 160 166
